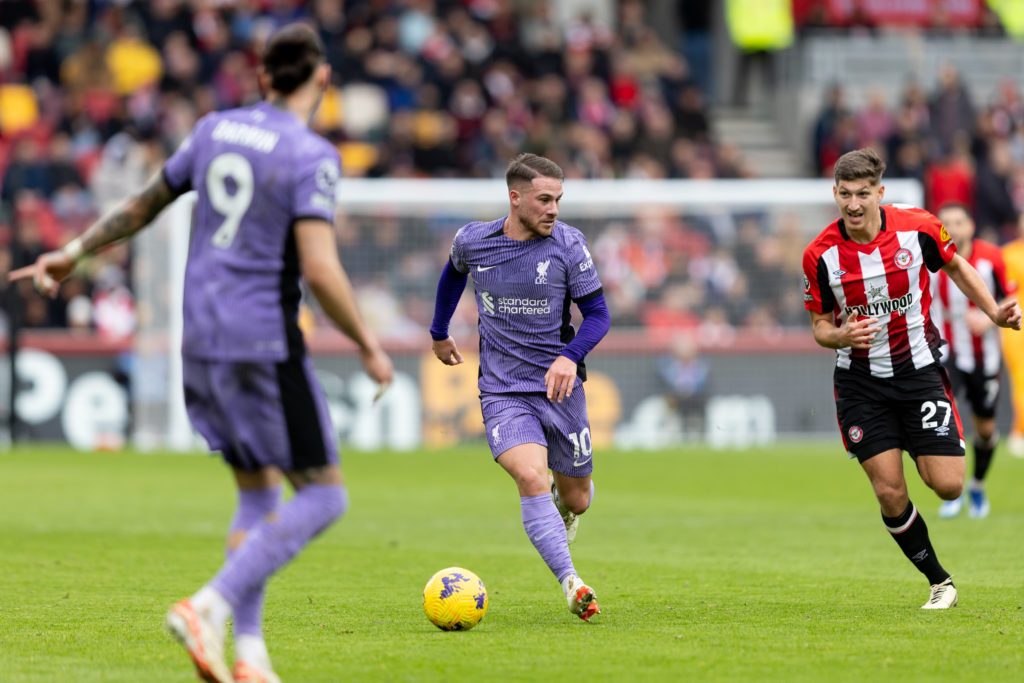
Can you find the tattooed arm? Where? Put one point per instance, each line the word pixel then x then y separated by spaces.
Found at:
pixel 132 215
pixel 127 219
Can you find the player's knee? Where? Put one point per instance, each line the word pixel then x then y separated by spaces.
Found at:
pixel 890 494
pixel 532 482
pixel 948 489
pixel 988 436
pixel 578 502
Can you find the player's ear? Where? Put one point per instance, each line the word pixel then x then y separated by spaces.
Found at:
pixel 323 76
pixel 513 197
pixel 881 192
pixel 263 78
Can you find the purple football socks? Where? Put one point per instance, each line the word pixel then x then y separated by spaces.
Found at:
pixel 273 542
pixel 546 530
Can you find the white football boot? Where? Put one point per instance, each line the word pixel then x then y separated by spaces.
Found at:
pixel 943 595
pixel 571 519
pixel 581 597
pixel 951 508
pixel 252 673
pixel 978 506
pixel 203 641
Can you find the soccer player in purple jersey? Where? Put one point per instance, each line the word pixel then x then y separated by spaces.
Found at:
pixel 263 218
pixel 527 268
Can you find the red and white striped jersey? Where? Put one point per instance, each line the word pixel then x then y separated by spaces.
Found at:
pixel 887 279
pixel 949 309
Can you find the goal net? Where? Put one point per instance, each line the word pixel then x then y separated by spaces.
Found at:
pixel 715 263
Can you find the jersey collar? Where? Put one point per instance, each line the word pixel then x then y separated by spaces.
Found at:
pixel 846 236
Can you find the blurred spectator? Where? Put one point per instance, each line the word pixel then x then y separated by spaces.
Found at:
pixel 833 109
pixel 951 178
pixel 685 376
pixel 951 111
pixel 995 213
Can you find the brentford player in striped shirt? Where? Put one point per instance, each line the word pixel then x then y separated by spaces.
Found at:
pixel 867 287
pixel 972 355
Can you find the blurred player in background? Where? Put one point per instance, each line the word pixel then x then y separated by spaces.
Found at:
pixel 527 268
pixel 972 354
pixel 866 285
pixel 1013 348
pixel 263 218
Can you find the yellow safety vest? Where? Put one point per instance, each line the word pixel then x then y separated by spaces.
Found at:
pixel 760 24
pixel 1011 15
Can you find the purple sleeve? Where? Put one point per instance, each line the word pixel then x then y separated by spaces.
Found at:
pixel 596 322
pixel 316 184
pixel 178 168
pixel 449 292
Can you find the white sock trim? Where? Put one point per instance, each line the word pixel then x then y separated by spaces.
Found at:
pixel 212 605
pixel 906 525
pixel 253 651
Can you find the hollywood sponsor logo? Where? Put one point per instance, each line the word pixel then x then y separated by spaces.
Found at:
pixel 884 307
pixel 904 259
pixel 856 434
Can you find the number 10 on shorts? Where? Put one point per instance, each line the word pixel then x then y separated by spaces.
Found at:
pixel 581 446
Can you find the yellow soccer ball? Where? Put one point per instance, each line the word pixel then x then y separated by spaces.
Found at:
pixel 455 599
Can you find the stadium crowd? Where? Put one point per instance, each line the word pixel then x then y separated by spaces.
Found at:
pixel 960 149
pixel 96 94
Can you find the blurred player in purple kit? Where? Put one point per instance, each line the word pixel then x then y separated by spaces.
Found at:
pixel 263 218
pixel 527 268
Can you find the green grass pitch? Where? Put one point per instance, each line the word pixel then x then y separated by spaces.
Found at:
pixel 768 564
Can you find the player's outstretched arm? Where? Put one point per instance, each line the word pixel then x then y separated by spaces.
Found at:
pixel 133 214
pixel 318 260
pixel 855 332
pixel 963 274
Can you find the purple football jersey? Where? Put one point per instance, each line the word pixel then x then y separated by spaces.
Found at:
pixel 523 292
pixel 256 170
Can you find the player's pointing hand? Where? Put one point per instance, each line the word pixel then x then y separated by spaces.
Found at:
pixel 860 332
pixel 1008 315
pixel 49 270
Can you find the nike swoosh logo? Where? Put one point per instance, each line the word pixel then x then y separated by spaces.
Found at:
pixel 481 269
pixel 540 536
pixel 580 464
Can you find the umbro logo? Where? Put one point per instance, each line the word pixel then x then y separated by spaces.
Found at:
pixel 838 273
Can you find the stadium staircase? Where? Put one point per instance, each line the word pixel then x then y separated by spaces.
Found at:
pixel 759 139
